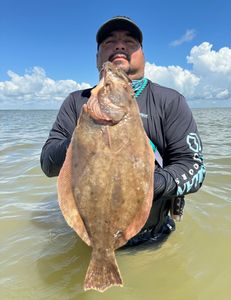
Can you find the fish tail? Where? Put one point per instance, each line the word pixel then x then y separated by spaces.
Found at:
pixel 103 272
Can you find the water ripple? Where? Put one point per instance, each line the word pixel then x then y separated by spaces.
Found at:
pixel 42 257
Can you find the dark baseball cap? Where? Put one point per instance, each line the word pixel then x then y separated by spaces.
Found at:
pixel 119 23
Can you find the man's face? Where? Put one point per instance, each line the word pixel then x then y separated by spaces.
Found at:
pixel 123 50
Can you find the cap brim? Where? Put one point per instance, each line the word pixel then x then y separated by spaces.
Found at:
pixel 118 24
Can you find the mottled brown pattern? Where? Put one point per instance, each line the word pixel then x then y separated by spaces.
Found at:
pixel 112 176
pixel 67 202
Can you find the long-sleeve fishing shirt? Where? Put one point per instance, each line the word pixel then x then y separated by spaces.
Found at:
pixel 170 126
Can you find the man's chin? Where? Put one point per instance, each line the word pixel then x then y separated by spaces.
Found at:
pixel 122 65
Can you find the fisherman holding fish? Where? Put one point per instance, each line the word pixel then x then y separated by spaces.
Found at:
pixel 167 121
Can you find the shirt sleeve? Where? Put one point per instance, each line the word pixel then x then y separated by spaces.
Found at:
pixel 184 169
pixel 54 150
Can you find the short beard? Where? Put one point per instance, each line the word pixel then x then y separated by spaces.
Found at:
pixel 122 66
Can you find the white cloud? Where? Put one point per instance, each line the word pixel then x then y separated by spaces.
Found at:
pixel 174 77
pixel 36 89
pixel 214 69
pixel 188 36
pixel 205 60
pixel 223 94
pixel 209 79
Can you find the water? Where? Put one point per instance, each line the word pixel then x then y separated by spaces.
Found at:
pixel 42 258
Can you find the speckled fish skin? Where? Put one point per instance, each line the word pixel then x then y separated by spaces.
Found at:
pixel 108 175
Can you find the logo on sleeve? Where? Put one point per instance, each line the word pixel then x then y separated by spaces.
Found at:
pixel 194 142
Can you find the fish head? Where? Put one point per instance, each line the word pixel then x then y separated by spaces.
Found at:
pixel 111 98
pixel 117 86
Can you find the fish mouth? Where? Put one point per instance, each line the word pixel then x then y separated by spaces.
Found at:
pixel 110 71
pixel 102 106
pixel 103 112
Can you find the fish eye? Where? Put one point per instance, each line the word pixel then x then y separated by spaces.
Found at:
pixel 108 83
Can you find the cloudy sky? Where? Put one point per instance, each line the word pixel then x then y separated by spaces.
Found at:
pixel 48 48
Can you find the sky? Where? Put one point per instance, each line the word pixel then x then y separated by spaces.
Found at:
pixel 48 48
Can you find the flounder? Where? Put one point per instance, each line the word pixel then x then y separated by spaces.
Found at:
pixel 105 186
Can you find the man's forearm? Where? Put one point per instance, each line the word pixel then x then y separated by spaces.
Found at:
pixel 164 185
pixel 53 155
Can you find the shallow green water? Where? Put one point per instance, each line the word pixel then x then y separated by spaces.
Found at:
pixel 42 258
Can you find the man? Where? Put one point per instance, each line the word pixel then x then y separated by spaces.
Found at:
pixel 167 120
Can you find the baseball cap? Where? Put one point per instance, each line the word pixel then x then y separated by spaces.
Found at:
pixel 119 23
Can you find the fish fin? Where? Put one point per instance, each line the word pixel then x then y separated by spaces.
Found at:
pixel 102 273
pixel 67 201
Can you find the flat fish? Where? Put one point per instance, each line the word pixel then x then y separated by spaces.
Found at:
pixel 105 187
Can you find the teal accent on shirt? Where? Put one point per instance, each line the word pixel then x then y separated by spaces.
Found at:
pixel 139 85
pixel 136 84
pixel 196 180
pixel 154 148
